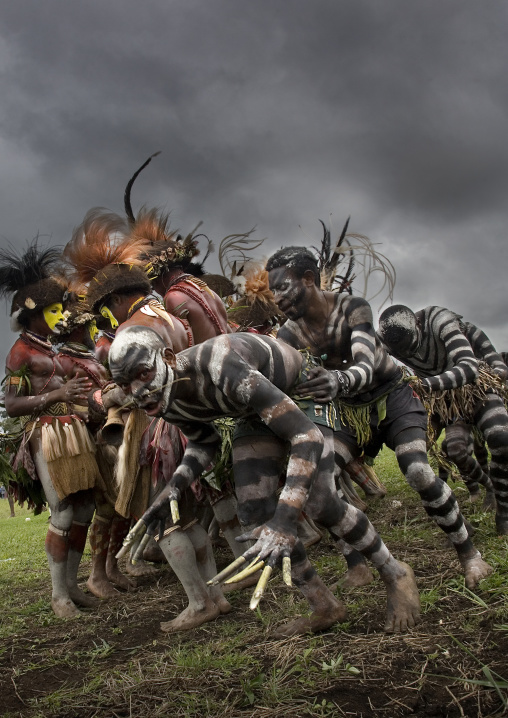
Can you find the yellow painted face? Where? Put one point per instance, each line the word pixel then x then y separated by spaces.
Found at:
pixel 108 315
pixel 55 317
pixel 93 331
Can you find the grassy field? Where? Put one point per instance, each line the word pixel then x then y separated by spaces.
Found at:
pixel 114 661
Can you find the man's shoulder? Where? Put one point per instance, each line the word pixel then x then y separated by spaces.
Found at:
pixel 289 333
pixel 356 309
pixel 20 355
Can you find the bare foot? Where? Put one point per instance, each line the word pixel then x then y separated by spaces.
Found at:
pixel 140 569
pixel 239 585
pixel 101 587
pixel 475 496
pixel 224 605
pixel 359 575
pixel 192 618
pixel 403 602
pixel 502 525
pixel 64 608
pixel 117 577
pixel 80 598
pixel 311 624
pixel 219 599
pixel 474 570
pixel 489 502
pixel 153 552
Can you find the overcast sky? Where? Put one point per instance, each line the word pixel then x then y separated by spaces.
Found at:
pixel 272 113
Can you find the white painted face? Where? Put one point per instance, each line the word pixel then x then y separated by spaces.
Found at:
pixel 138 366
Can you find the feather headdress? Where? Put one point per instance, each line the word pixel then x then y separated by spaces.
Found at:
pixel 256 306
pixel 354 253
pixel 103 255
pixel 166 247
pixel 31 278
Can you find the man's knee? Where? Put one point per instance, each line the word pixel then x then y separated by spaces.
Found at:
pixel 420 476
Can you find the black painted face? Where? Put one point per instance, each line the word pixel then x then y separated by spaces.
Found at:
pixel 289 292
pixel 400 335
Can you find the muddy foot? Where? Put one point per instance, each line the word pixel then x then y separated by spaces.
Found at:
pixel 489 502
pixel 403 602
pixel 154 553
pixel 80 598
pixel 474 570
pixel 311 624
pixel 224 605
pixel 101 587
pixel 359 575
pixel 140 569
pixel 64 608
pixel 117 577
pixel 192 618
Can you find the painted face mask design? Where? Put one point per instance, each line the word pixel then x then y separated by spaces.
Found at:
pixel 106 312
pixel 141 370
pixel 55 317
pixel 288 291
pixel 152 387
pixel 93 331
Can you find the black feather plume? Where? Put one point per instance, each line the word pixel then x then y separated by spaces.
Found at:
pixel 18 271
pixel 127 193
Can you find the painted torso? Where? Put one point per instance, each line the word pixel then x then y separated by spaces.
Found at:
pixel 83 366
pixel 228 375
pixel 347 342
pixel 45 370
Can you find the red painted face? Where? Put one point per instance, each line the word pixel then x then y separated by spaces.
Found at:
pixel 289 292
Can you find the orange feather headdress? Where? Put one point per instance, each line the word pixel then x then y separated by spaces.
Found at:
pixel 104 256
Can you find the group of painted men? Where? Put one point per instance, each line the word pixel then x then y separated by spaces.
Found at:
pixel 127 425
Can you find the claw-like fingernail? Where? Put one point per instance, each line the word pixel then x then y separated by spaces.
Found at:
pixel 175 514
pixel 286 571
pixel 251 568
pixel 139 551
pixel 136 531
pixel 260 588
pixel 226 571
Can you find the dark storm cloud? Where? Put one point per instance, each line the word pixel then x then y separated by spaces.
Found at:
pixel 271 114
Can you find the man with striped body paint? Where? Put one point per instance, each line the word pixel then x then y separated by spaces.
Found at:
pixel 467 450
pixel 358 371
pixel 438 347
pixel 246 376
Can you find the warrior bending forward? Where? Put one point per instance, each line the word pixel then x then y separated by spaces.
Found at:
pixel 373 402
pixel 246 376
